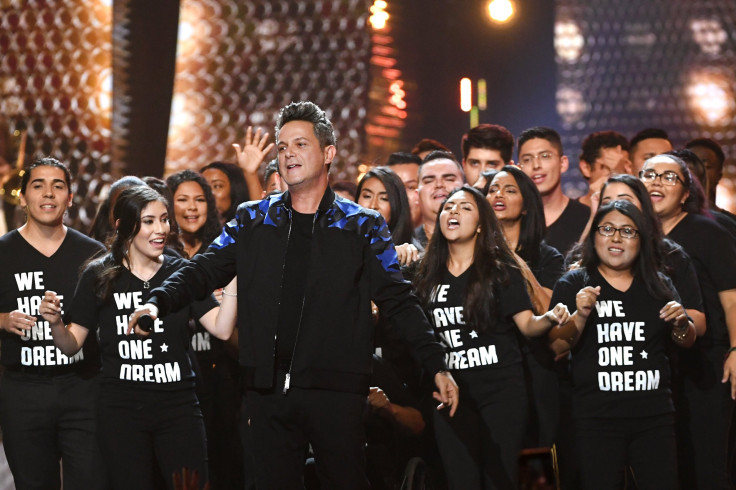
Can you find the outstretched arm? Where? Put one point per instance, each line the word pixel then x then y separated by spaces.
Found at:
pixel 220 322
pixel 532 325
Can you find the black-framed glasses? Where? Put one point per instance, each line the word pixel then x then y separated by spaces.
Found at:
pixel 668 177
pixel 625 231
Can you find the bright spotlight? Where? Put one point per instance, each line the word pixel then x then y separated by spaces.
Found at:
pixel 501 10
pixel 711 98
pixel 379 16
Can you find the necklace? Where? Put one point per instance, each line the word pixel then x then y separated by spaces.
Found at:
pixel 146 282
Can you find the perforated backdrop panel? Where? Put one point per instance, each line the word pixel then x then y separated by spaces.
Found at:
pixel 629 65
pixel 240 61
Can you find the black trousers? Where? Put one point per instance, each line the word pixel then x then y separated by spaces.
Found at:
pixel 141 430
pixel 480 446
pixel 606 446
pixel 282 426
pixel 218 391
pixel 47 419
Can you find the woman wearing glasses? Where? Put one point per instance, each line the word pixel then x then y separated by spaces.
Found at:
pixel 627 316
pixel 705 375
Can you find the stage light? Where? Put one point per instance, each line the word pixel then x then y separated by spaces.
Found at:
pixel 571 105
pixel 709 34
pixel 711 97
pixel 569 41
pixel 466 95
pixel 397 94
pixel 379 16
pixel 482 95
pixel 501 10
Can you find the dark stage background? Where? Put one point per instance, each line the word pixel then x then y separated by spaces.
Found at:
pixel 123 87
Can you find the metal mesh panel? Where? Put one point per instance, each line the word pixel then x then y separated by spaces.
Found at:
pixel 55 81
pixel 239 62
pixel 629 65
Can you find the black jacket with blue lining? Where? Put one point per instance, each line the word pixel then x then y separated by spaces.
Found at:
pixel 353 261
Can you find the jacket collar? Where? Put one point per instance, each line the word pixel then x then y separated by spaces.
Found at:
pixel 327 199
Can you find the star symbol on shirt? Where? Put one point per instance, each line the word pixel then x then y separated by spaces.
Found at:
pixel 164 348
pixel 473 334
pixel 644 354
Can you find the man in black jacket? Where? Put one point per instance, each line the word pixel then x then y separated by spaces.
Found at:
pixel 308 265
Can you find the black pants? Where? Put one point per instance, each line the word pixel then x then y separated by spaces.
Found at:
pixel 282 427
pixel 140 430
pixel 606 446
pixel 704 411
pixel 47 419
pixel 218 391
pixel 480 446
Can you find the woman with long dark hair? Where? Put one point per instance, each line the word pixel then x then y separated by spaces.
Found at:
pixel 676 263
pixel 704 373
pixel 148 413
pixel 195 210
pixel 627 316
pixel 217 364
pixel 476 296
pixel 517 204
pixel 229 187
pixel 381 189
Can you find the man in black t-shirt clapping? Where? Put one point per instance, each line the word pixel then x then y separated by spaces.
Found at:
pixel 47 400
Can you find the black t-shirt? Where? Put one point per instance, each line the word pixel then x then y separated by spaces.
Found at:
pixel 619 366
pixel 680 269
pixel 293 285
pixel 713 253
pixel 206 347
pixel 549 266
pixel 494 348
pixel 25 275
pixel 157 362
pixel 726 222
pixel 566 230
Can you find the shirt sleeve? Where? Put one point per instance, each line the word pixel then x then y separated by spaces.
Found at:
pixel 201 308
pixel 722 269
pixel 514 296
pixel 684 279
pixel 551 266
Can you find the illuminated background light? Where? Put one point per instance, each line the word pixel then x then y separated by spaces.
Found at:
pixel 709 34
pixel 711 98
pixel 569 41
pixel 466 95
pixel 501 10
pixel 379 16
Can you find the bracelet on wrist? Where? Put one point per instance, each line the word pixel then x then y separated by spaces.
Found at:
pixel 728 352
pixel 225 293
pixel 680 333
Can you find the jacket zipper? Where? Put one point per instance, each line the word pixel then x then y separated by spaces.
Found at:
pixel 281 288
pixel 287 379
